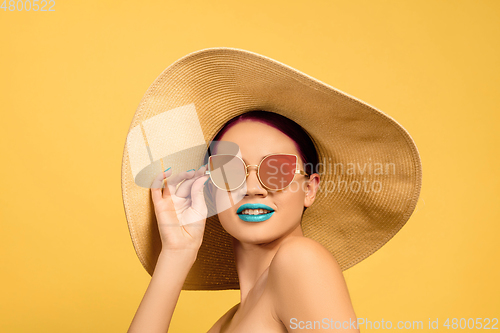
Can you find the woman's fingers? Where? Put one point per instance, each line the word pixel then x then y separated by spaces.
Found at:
pixel 180 177
pixel 179 203
pixel 173 183
pixel 157 185
pixel 163 202
pixel 192 185
pixel 184 189
pixel 198 197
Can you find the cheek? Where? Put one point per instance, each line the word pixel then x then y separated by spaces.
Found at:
pixel 225 201
pixel 297 190
pixel 291 207
pixel 291 203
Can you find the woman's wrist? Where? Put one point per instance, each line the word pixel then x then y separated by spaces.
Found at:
pixel 156 309
pixel 186 256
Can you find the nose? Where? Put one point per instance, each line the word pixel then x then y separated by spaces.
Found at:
pixel 254 187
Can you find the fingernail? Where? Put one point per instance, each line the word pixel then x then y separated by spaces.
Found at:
pixel 167 169
pixel 190 170
pixel 206 181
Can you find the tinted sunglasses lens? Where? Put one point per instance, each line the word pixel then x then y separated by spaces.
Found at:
pixel 277 171
pixel 227 171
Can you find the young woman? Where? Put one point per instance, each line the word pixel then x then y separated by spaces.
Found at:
pixel 285 278
pixel 261 191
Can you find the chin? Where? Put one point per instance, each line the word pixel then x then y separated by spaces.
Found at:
pixel 254 232
pixel 257 237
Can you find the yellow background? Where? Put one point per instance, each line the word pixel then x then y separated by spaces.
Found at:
pixel 70 82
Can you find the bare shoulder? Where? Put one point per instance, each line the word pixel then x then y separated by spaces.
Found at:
pixel 303 253
pixel 306 282
pixel 303 263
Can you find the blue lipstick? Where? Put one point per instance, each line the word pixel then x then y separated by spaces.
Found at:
pixel 254 218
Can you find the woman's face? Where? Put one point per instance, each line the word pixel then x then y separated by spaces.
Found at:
pixel 256 140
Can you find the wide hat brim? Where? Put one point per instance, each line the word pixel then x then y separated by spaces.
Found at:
pixel 371 176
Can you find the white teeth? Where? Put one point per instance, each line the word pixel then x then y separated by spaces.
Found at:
pixel 255 211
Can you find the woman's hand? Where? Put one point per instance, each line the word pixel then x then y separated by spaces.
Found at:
pixel 180 212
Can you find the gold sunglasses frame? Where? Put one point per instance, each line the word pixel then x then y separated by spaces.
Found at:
pixel 297 171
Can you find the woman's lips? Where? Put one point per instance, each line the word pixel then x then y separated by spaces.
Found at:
pixel 254 218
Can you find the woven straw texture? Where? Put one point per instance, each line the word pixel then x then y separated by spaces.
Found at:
pixel 221 83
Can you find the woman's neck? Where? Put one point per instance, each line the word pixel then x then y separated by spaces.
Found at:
pixel 252 260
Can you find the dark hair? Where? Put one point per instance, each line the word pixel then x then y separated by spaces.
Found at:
pixel 294 131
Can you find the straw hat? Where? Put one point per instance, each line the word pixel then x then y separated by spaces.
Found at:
pixel 371 171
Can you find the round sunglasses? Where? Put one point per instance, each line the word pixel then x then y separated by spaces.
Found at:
pixel 275 171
